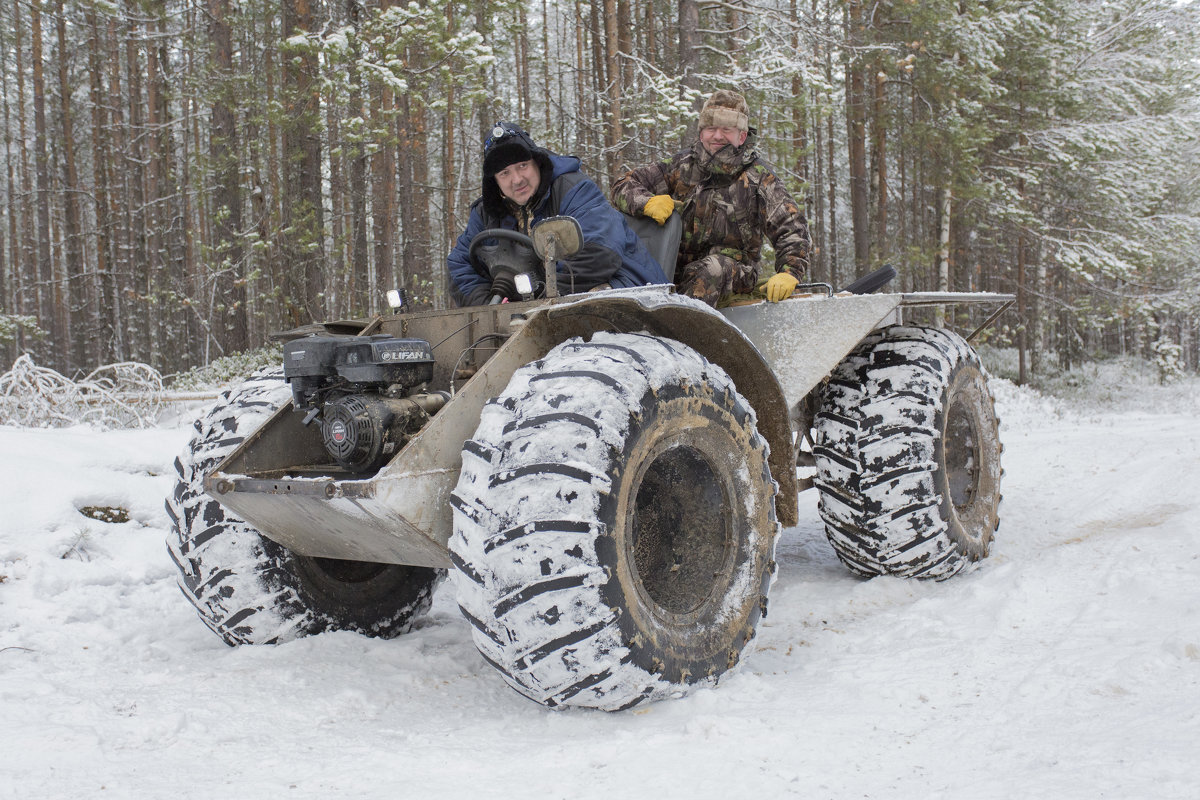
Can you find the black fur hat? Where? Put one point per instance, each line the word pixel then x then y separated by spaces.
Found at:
pixel 507 144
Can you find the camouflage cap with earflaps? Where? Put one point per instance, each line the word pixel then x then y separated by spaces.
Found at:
pixel 725 109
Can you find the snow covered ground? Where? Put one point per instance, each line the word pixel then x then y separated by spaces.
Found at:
pixel 1067 666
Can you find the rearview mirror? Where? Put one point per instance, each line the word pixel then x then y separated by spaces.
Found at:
pixel 555 238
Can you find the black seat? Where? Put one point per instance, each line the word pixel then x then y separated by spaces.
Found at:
pixel 869 284
pixel 661 240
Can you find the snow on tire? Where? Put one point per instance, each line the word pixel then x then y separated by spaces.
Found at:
pixel 251 590
pixel 614 524
pixel 907 448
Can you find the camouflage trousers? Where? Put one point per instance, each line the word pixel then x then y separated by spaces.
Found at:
pixel 716 276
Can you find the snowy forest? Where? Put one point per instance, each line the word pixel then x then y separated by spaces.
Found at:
pixel 182 178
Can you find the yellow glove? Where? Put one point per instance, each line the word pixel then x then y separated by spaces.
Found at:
pixel 659 207
pixel 780 286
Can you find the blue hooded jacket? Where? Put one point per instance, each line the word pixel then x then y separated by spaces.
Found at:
pixel 612 252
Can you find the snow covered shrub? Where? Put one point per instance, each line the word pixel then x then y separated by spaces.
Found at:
pixel 1168 358
pixel 122 395
pixel 227 370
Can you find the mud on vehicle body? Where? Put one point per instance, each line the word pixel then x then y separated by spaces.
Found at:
pixel 604 476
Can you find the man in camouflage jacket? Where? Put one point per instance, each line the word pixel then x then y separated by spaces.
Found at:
pixel 729 198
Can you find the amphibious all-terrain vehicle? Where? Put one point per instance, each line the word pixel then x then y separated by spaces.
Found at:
pixel 603 475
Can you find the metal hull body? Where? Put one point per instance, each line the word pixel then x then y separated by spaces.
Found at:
pixel 775 353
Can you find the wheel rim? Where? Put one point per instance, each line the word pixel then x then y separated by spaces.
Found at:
pixel 962 457
pixel 681 534
pixel 971 468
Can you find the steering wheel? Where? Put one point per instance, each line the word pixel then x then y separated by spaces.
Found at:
pixel 512 253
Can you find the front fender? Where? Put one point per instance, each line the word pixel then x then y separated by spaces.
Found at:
pixel 707 332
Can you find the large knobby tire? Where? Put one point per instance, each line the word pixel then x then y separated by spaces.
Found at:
pixel 614 524
pixel 907 448
pixel 251 590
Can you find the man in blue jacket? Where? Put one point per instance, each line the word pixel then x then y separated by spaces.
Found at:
pixel 523 184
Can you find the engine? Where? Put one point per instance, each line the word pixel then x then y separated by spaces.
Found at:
pixel 365 392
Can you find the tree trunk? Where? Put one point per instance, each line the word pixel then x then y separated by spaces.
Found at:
pixel 303 222
pixel 856 131
pixel 383 187
pixel 7 305
pixel 522 43
pixel 164 340
pixel 269 204
pixel 230 323
pixel 120 276
pixel 9 272
pixel 415 177
pixel 172 194
pixel 360 262
pixel 599 84
pixel 100 288
pixel 880 173
pixel 26 261
pixel 943 273
pixel 652 60
pixel 546 65
pixel 182 274
pixel 48 297
pixel 341 295
pixel 831 232
pixel 1022 341
pixel 689 44
pixel 581 115
pixel 902 215
pixel 1038 337
pixel 138 326
pixel 625 44
pixel 73 261
pixel 819 230
pixel 612 70
pixel 449 210
pixel 800 134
